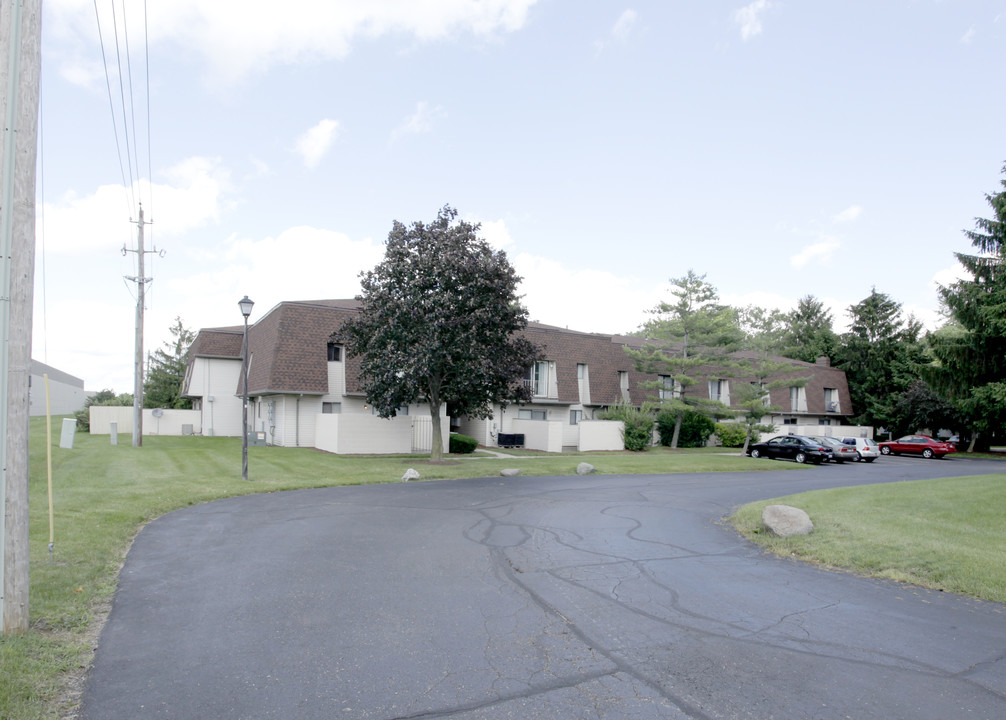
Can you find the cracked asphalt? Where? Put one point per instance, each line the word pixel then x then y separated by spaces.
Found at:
pixel 532 598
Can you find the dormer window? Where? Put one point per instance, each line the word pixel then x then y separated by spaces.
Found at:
pixel 334 352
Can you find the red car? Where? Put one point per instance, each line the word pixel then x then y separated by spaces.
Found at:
pixel 917 444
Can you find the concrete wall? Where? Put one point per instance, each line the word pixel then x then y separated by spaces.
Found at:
pixel 170 422
pixel 539 434
pixel 601 435
pixel 358 434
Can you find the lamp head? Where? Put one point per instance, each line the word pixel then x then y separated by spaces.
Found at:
pixel 246 306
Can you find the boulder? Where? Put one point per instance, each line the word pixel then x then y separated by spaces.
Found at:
pixel 510 472
pixel 410 474
pixel 584 469
pixel 786 521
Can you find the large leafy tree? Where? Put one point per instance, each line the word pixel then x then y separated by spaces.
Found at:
pixel 970 351
pixel 691 339
pixel 166 370
pixel 441 323
pixel 809 333
pixel 764 329
pixel 881 355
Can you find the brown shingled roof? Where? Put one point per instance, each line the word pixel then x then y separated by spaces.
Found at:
pixel 287 350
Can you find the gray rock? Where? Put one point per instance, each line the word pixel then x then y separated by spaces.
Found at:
pixel 509 472
pixel 786 521
pixel 584 469
pixel 410 474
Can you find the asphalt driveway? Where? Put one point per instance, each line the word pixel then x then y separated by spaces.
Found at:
pixel 557 597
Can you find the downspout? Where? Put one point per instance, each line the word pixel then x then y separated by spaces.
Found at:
pixel 297 422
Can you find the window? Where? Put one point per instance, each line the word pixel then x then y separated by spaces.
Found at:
pixel 667 386
pixel 530 414
pixel 331 408
pixel 758 388
pixel 831 400
pixel 537 379
pixel 581 371
pixel 334 352
pixel 720 390
pixel 789 421
pixel 797 399
pixel 575 416
pixel 623 384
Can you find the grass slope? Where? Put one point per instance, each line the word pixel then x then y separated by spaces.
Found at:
pixel 946 534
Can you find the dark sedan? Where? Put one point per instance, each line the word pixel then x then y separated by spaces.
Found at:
pixel 917 445
pixel 791 447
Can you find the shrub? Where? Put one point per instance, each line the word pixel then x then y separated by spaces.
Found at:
pixel 731 435
pixel 462 444
pixel 638 425
pixel 695 428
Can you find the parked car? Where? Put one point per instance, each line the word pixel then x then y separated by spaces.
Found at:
pixel 840 452
pixel 791 447
pixel 917 444
pixel 866 449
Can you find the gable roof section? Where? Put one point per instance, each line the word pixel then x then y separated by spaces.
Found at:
pixel 217 343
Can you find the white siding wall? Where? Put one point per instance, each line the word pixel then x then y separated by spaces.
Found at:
pixel 290 421
pixel 64 398
pixel 218 379
pixel 481 430
pixel 336 381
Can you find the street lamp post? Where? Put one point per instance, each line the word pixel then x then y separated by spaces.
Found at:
pixel 246 308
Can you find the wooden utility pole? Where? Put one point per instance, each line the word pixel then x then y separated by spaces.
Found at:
pixel 141 282
pixel 20 62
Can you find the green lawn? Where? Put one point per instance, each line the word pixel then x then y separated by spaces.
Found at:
pixel 103 495
pixel 946 534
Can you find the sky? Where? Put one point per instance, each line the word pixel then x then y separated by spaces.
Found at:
pixel 781 148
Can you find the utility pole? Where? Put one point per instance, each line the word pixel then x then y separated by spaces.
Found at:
pixel 141 281
pixel 20 61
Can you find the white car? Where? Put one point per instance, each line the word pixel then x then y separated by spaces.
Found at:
pixel 866 449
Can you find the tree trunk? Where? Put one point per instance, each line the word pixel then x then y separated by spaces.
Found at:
pixel 437 449
pixel 677 430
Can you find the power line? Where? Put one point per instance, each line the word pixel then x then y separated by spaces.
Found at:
pixel 111 106
pixel 122 101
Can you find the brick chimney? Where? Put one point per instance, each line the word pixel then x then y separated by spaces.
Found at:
pixel 823 360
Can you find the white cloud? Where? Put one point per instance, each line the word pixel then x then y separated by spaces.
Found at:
pixel 421 121
pixel 100 221
pixel 314 143
pixel 967 37
pixel 849 214
pixel 819 253
pixel 624 25
pixel 749 18
pixel 583 299
pixel 948 276
pixel 234 37
pixel 620 31
pixel 495 233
